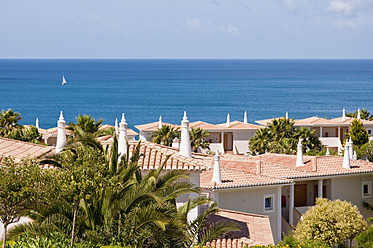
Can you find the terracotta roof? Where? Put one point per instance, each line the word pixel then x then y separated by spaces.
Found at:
pixel 130 132
pixel 283 166
pixel 349 120
pixel 53 131
pixel 153 155
pixel 255 229
pixel 267 121
pixel 234 178
pixel 19 149
pixel 151 127
pixel 268 169
pixel 314 120
pixel 238 125
pixel 203 125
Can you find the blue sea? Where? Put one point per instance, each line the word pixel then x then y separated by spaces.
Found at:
pixel 207 89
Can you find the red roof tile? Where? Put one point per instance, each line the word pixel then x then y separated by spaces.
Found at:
pixel 151 127
pixel 19 149
pixel 255 229
pixel 153 155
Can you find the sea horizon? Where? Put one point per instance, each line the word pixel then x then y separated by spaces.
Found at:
pixel 208 89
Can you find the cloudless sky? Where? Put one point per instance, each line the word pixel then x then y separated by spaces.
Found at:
pixel 186 29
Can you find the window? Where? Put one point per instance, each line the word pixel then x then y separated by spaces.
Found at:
pixel 367 189
pixel 269 203
pixel 369 131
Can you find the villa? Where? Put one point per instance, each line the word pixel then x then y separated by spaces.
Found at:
pixel 265 194
pixel 283 187
pixel 331 132
pixel 232 136
pixel 50 134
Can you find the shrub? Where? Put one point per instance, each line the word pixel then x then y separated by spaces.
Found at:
pixel 331 222
pixel 365 239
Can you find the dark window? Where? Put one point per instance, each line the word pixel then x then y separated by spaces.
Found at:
pixel 268 203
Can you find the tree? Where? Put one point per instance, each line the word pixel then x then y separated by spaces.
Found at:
pixel 86 123
pixel 280 136
pixel 197 139
pixel 29 134
pixel 358 133
pixel 364 114
pixel 23 186
pixel 331 222
pixel 8 121
pixel 365 151
pixel 165 135
pixel 83 176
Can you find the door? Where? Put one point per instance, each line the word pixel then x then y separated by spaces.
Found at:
pixel 226 142
pixel 300 195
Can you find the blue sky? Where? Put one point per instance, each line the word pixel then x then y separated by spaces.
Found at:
pixel 186 29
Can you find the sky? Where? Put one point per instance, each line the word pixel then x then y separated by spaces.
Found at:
pixel 178 29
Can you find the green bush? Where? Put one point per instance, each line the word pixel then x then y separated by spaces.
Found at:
pixel 54 240
pixel 365 239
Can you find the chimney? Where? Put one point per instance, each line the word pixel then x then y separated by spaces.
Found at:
pixel 327 152
pixel 344 115
pixel 346 157
pixel 299 154
pixel 116 127
pixel 358 113
pixel 61 134
pixel 245 118
pixel 176 143
pixel 160 122
pixel 355 156
pixel 350 148
pixel 228 120
pixel 37 123
pixel 185 148
pixel 122 143
pixel 286 115
pixel 216 175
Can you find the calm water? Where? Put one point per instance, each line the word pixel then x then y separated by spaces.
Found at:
pixel 206 89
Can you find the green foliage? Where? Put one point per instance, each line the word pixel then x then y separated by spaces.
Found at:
pixel 8 121
pixel 280 136
pixel 364 114
pixel 30 134
pixel 358 133
pixel 197 139
pixel 331 222
pixel 165 135
pixel 23 186
pixel 365 150
pixel 365 239
pixel 86 123
pixel 53 240
pixel 105 201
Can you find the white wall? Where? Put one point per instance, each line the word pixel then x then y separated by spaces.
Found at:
pixel 249 200
pixel 350 189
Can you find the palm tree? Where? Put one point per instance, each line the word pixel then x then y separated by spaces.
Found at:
pixel 165 135
pixel 86 123
pixel 364 114
pixel 259 144
pixel 281 137
pixel 197 139
pixel 9 120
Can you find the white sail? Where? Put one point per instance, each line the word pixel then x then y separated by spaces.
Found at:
pixel 63 80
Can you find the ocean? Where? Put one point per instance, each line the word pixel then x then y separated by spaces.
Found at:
pixel 207 89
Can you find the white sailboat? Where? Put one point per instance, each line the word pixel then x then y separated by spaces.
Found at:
pixel 63 80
